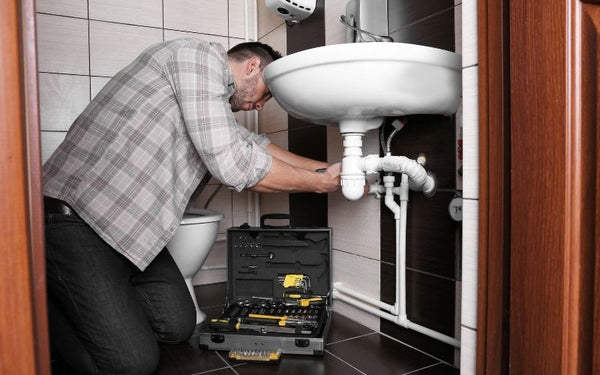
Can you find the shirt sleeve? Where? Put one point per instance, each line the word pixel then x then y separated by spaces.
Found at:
pixel 197 73
pixel 261 140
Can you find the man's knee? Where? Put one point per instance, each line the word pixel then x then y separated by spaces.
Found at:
pixel 179 328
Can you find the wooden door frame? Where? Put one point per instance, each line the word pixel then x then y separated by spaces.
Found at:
pixel 513 285
pixel 494 187
pixel 24 340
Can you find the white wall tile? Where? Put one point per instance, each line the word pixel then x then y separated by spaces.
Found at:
pixel 171 34
pixel 469 32
pixel 216 257
pixel 470 120
pixel 237 21
pixel 62 99
pixel 98 84
pixel 50 141
pixel 335 31
pixel 275 203
pixel 235 41
pixel 277 39
pixel 272 118
pixel 114 46
pixel 470 251
pixel 221 202
pixel 280 139
pixel 74 8
pixel 468 351
pixel 458 29
pixel 137 12
pixel 267 20
pixel 62 44
pixel 239 208
pixel 358 274
pixel 203 16
pixel 356 224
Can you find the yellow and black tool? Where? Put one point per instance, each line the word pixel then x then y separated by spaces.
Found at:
pixel 283 320
pixel 305 300
pixel 255 355
pixel 295 280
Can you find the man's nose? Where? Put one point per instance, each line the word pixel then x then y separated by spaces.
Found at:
pixel 259 106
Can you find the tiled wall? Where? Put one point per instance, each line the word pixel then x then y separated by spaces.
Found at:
pixel 83 43
pixel 433 237
pixel 467 11
pixel 273 120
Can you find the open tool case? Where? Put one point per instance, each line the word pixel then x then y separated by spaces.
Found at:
pixel 278 293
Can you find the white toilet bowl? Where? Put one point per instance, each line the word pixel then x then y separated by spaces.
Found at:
pixel 191 244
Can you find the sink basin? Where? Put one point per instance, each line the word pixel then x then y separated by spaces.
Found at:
pixel 355 85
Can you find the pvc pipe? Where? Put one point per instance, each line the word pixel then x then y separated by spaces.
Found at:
pixel 354 167
pixel 401 248
pixel 352 178
pixel 363 297
pixel 419 179
pixel 361 305
pixel 395 318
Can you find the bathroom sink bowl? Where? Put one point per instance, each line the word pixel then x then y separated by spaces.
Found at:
pixel 355 85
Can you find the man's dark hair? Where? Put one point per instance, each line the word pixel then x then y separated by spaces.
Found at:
pixel 247 50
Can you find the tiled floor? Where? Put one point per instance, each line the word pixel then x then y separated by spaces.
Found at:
pixel 351 349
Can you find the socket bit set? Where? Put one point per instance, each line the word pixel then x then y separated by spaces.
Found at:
pixel 278 292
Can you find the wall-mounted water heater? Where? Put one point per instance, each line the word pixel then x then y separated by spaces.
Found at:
pixel 293 11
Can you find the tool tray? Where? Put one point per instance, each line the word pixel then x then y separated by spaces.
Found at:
pixel 278 291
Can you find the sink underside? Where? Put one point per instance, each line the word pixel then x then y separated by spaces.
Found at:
pixel 365 81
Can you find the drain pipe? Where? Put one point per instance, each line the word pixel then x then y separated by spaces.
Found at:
pixel 410 170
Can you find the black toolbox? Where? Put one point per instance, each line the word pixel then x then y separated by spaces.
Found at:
pixel 278 293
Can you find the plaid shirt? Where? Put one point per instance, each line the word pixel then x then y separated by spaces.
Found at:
pixel 131 161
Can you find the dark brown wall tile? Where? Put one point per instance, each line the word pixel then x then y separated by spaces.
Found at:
pixel 402 13
pixel 304 138
pixel 436 31
pixel 430 302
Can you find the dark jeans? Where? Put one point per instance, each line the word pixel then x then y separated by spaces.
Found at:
pixel 105 315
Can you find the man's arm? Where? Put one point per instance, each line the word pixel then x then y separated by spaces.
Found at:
pixel 293 159
pixel 284 177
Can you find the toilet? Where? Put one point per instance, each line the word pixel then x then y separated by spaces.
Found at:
pixel 191 244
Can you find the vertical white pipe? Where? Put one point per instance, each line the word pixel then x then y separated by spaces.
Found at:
pixel 401 247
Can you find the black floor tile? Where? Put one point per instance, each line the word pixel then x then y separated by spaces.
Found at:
pixel 439 369
pixel 211 294
pixel 377 354
pixel 184 359
pixel 299 365
pixel 343 328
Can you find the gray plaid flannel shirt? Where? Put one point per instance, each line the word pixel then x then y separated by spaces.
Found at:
pixel 131 161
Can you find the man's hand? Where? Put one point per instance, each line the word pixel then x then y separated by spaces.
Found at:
pixel 331 182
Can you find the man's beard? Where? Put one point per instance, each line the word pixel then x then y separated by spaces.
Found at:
pixel 243 93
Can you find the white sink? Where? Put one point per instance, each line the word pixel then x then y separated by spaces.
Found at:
pixel 355 85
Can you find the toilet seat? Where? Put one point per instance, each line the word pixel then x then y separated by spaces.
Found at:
pixel 199 216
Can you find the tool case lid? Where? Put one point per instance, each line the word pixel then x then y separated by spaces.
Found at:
pixel 268 262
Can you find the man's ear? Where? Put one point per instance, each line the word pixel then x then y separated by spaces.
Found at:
pixel 252 66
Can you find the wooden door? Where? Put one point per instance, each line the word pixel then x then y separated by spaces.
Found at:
pixel 23 327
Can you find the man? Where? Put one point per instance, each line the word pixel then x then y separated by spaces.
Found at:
pixel 116 189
